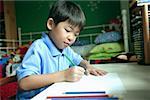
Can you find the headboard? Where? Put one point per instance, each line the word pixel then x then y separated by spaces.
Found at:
pixel 34 35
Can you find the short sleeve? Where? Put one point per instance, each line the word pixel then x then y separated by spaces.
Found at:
pixel 30 64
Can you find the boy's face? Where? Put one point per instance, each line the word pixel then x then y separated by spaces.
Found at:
pixel 63 34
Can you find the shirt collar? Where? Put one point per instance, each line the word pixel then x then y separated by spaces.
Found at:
pixel 54 51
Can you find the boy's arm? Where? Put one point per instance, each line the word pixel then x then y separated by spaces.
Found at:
pixel 92 70
pixel 38 81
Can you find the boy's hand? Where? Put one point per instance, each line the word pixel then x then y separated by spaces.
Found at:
pixel 74 73
pixel 95 71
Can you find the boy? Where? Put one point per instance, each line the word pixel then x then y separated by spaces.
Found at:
pixel 48 59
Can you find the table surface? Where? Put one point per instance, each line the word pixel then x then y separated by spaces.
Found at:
pixel 135 79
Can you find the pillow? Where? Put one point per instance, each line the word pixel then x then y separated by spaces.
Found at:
pixel 81 42
pixel 108 47
pixel 83 50
pixel 108 37
pixel 102 56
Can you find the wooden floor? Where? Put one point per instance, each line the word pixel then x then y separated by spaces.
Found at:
pixel 135 78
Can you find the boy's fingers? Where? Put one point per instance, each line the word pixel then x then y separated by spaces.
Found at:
pixel 80 69
pixel 98 72
pixel 102 72
pixel 77 70
pixel 86 72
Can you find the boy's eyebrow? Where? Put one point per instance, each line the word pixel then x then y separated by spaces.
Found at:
pixel 72 27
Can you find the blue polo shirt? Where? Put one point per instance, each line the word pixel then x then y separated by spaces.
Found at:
pixel 42 58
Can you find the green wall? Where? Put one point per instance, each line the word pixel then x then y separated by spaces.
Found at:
pixel 31 15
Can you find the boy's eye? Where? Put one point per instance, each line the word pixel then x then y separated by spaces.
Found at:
pixel 76 35
pixel 67 30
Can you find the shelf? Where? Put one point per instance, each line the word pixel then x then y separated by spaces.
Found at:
pixel 136 9
pixel 132 2
pixel 140 33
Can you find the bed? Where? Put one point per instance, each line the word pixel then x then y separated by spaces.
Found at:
pixel 90 45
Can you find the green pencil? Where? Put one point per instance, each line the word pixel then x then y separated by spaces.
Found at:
pixel 86 71
pixel 70 60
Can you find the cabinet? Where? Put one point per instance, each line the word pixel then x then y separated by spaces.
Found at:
pixel 140 30
pixel 8 29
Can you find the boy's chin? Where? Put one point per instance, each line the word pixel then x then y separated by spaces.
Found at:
pixel 63 47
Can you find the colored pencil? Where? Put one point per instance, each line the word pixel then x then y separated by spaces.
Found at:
pixel 86 92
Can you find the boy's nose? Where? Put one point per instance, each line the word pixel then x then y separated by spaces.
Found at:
pixel 71 37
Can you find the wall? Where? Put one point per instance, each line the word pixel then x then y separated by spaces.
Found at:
pixel 31 15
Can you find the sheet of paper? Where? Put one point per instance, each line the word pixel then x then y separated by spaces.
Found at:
pixel 109 83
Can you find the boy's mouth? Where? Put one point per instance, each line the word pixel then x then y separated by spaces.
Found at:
pixel 67 44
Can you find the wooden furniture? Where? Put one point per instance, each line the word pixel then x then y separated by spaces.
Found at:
pixel 140 30
pixel 8 88
pixel 7 80
pixel 8 29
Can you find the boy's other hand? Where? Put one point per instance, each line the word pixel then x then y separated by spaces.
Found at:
pixel 96 71
pixel 74 73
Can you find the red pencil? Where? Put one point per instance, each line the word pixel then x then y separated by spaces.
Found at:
pixel 82 96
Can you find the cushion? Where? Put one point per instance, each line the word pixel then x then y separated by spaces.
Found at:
pixel 108 48
pixel 81 42
pixel 83 50
pixel 102 56
pixel 108 37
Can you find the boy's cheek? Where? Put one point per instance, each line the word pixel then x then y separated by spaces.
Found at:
pixel 73 41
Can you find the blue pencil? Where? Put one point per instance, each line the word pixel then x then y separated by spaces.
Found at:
pixel 91 92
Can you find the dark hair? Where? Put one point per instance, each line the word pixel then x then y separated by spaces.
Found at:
pixel 67 10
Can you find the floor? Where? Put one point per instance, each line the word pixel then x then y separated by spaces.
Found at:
pixel 135 78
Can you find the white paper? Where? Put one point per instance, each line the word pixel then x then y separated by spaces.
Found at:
pixel 109 83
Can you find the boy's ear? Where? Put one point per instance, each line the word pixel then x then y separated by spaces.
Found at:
pixel 50 23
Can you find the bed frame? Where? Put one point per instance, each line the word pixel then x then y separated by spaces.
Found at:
pixel 12 45
pixel 8 45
